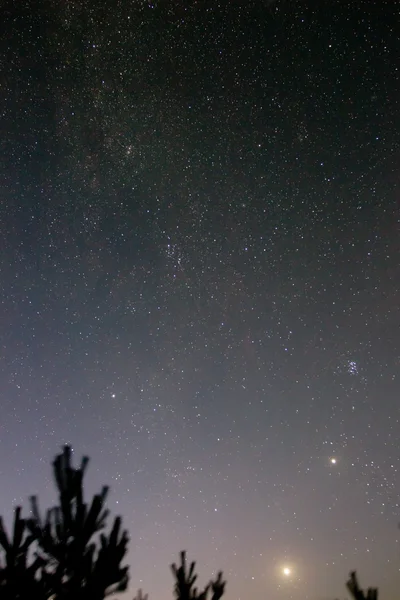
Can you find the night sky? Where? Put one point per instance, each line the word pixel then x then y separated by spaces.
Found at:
pixel 200 280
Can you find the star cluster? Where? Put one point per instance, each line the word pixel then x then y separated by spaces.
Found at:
pixel 200 280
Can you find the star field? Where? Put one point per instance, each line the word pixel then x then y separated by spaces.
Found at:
pixel 200 280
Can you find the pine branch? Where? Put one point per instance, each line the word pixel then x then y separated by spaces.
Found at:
pixel 357 593
pixel 17 578
pixel 185 579
pixel 78 564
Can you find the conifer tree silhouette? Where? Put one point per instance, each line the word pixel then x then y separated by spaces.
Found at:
pixel 141 596
pixel 18 579
pixel 67 556
pixel 76 564
pixel 185 579
pixel 356 592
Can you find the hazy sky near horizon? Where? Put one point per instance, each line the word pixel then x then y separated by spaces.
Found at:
pixel 199 208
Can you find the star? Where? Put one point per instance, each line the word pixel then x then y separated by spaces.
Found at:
pixel 170 240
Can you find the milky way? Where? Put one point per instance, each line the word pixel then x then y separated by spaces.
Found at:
pixel 200 280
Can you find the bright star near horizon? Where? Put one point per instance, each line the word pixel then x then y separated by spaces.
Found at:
pixel 186 229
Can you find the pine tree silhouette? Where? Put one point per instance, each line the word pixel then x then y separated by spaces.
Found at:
pixel 76 564
pixel 185 579
pixel 18 579
pixel 357 593
pixel 67 555
pixel 141 596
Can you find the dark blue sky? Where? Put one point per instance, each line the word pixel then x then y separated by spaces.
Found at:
pixel 200 280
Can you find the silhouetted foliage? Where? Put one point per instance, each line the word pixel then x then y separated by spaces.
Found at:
pixel 67 555
pixel 76 565
pixel 141 596
pixel 185 579
pixel 18 579
pixel 68 561
pixel 184 583
pixel 357 593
